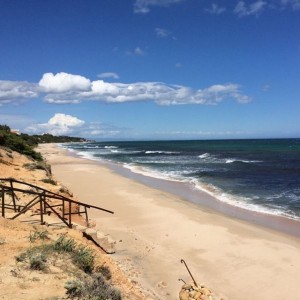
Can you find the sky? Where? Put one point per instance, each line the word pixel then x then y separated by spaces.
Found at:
pixel 151 69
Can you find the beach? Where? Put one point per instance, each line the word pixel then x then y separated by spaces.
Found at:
pixel 155 229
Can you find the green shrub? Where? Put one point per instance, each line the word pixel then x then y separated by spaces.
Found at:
pixel 62 244
pixel 75 288
pixel 83 258
pixel 92 288
pixel 105 271
pixel 39 165
pixel 21 257
pixel 50 181
pixel 37 261
pixel 39 235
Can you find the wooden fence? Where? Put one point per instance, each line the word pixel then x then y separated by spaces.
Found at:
pixel 63 207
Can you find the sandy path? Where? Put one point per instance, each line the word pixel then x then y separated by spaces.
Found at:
pixel 154 230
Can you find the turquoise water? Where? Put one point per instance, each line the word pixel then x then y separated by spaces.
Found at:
pixel 260 175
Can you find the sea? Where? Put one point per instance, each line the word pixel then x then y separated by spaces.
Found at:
pixel 261 175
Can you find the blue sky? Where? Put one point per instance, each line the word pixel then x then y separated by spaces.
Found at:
pixel 151 69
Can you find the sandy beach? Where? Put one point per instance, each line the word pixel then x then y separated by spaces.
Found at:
pixel 154 230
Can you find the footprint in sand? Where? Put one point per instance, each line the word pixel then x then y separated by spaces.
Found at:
pixel 162 284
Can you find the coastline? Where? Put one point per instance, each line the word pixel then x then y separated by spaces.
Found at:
pixel 155 229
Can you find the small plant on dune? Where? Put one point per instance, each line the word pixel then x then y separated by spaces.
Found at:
pixel 38 165
pixel 75 288
pixel 62 244
pixel 38 235
pixel 84 259
pixel 37 261
pixel 50 181
pixel 35 257
pixel 105 271
pixel 92 288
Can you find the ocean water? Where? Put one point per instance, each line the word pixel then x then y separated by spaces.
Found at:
pixel 260 175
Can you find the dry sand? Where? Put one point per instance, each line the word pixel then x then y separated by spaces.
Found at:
pixel 155 230
pixel 17 280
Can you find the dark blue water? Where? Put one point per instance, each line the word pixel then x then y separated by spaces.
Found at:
pixel 260 175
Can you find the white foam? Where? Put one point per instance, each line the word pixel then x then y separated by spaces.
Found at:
pixel 204 155
pixel 241 202
pixel 161 152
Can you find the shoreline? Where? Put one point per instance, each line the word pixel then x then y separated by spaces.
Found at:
pixel 204 199
pixel 155 229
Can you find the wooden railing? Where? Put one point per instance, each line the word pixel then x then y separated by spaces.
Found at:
pixel 10 199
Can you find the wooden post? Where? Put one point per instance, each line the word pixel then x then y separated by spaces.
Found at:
pixel 44 200
pixel 63 208
pixel 41 209
pixel 86 217
pixel 3 204
pixel 70 215
pixel 13 194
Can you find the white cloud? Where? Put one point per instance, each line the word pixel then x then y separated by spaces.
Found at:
pixel 15 91
pixel 59 124
pixel 63 124
pixel 76 89
pixel 108 75
pixel 63 82
pixel 215 9
pixel 160 93
pixel 162 33
pixel 143 6
pixel 178 65
pixel 255 8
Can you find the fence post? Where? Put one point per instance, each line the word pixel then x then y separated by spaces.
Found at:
pixel 41 209
pixel 13 194
pixel 70 215
pixel 3 204
pixel 63 209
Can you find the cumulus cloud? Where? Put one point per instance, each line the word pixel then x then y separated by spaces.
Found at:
pixel 14 91
pixel 63 82
pixel 160 93
pixel 63 124
pixel 255 8
pixel 64 88
pixel 143 6
pixel 215 9
pixel 59 124
pixel 108 75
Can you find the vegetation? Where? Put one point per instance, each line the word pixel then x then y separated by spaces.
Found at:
pixel 92 288
pixel 49 180
pixel 25 144
pixel 87 285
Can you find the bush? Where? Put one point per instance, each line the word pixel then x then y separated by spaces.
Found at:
pixel 40 165
pixel 81 256
pixel 75 288
pixel 94 288
pixel 37 261
pixel 50 181
pixel 105 271
pixel 39 235
pixel 62 244
pixel 84 259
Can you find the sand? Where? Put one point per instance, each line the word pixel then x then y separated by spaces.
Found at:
pixel 17 280
pixel 154 230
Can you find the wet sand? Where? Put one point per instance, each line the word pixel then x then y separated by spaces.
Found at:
pixel 155 229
